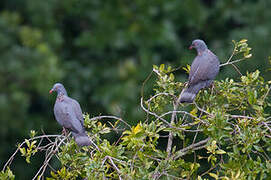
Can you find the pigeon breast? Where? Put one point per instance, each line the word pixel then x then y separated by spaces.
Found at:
pixel 68 115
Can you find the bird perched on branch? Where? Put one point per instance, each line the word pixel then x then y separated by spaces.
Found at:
pixel 203 71
pixel 69 115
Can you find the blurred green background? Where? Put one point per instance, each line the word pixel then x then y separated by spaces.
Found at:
pixel 102 51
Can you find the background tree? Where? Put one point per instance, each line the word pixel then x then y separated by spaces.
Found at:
pixel 102 51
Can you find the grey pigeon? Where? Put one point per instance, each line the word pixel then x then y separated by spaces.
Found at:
pixel 69 115
pixel 203 71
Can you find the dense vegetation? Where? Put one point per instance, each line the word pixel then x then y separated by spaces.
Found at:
pixel 224 134
pixel 102 51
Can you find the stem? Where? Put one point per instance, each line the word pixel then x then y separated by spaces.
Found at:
pixel 110 117
pixel 173 117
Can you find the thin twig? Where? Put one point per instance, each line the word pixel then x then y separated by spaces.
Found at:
pixel 202 110
pixel 267 126
pixel 48 158
pixel 113 164
pixel 232 62
pixel 109 117
pixel 149 112
pixel 239 116
pixel 159 94
pixel 170 135
pixel 31 139
pixel 235 67
pixel 266 93
pixel 115 167
pixel 145 81
pixel 185 113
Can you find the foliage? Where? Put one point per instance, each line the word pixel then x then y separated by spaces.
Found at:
pixel 7 174
pixel 103 50
pixel 224 134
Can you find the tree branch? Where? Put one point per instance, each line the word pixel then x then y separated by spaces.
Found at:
pixel 173 117
pixel 48 158
pixel 31 139
pixel 110 117
pixel 197 146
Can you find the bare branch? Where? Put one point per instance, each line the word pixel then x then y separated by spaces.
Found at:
pixel 202 110
pixel 113 164
pixel 115 167
pixel 235 67
pixel 266 94
pixel 267 126
pixel 173 117
pixel 159 94
pixel 239 116
pixel 193 147
pixel 186 113
pixel 149 112
pixel 232 62
pixel 48 158
pixel 31 139
pixel 110 117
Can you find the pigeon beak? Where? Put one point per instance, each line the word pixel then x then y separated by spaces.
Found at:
pixel 51 91
pixel 191 47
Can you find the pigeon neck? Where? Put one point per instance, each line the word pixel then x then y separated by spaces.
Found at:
pixel 61 92
pixel 201 50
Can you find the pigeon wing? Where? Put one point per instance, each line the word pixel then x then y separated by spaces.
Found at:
pixel 66 116
pixel 204 67
pixel 78 111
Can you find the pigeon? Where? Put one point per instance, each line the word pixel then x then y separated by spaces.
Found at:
pixel 203 71
pixel 69 115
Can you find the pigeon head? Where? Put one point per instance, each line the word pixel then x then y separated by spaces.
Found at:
pixel 59 88
pixel 199 45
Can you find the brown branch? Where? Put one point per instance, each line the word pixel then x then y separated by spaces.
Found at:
pixel 196 146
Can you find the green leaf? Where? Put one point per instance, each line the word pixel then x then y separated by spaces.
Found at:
pixel 220 151
pixel 27 142
pixel 213 175
pixel 23 151
pixel 258 148
pixel 162 67
pixel 171 77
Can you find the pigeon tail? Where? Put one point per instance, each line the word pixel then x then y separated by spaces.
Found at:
pixel 81 139
pixel 188 95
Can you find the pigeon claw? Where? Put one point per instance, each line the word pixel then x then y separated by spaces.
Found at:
pixel 64 131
